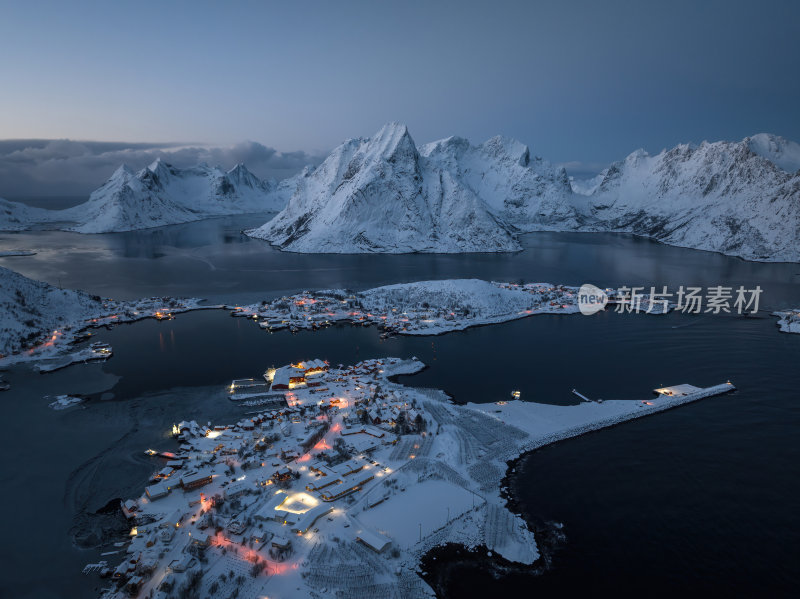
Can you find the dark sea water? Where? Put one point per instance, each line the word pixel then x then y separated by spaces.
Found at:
pixel 698 499
pixel 213 259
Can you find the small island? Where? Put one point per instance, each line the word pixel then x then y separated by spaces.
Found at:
pixel 426 307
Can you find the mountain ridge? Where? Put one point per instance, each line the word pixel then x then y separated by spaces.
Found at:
pixel 387 194
pixel 452 196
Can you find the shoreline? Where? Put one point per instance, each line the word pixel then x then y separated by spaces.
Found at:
pixel 79 331
pixel 435 571
pixel 426 308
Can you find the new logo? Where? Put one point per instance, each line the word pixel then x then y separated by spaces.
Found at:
pixel 591 299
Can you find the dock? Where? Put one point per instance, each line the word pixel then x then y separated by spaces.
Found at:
pixel 253 390
pixel 581 395
pixel 89 568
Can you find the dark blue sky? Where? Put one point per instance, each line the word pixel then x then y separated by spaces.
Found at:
pixel 577 81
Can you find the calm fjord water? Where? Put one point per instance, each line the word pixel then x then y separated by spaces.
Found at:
pixel 698 498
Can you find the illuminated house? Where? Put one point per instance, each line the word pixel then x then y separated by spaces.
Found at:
pixel 194 481
pixel 299 374
pixel 157 491
pixel 314 368
pixel 288 377
pixel 283 475
pixel 309 518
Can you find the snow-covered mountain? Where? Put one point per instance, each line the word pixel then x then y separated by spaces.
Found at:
pixel 720 196
pixel 525 191
pixel 382 194
pixel 162 194
pixel 587 187
pixel 28 307
pixel 19 217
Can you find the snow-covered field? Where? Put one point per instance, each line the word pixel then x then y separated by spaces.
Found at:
pixel 393 471
pixel 422 508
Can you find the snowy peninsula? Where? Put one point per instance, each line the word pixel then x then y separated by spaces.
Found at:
pixel 350 473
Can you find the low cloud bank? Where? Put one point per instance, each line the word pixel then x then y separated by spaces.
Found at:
pixel 42 168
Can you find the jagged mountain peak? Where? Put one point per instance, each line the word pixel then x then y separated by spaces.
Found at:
pixel 241 176
pixel 392 129
pixel 158 164
pixel 240 172
pixel 156 173
pixel 393 139
pixel 162 194
pixel 720 196
pixel 123 171
pixel 383 195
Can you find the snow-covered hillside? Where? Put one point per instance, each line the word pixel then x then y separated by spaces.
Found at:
pixel 32 311
pixel 482 299
pixel 162 194
pixel 718 196
pixel 788 321
pixel 526 191
pixel 19 217
pixel 382 195
pixel 40 322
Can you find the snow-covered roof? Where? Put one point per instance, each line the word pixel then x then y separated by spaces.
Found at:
pixel 308 519
pixel 374 540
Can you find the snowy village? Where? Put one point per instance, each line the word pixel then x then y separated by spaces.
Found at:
pixel 400 300
pixel 342 470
